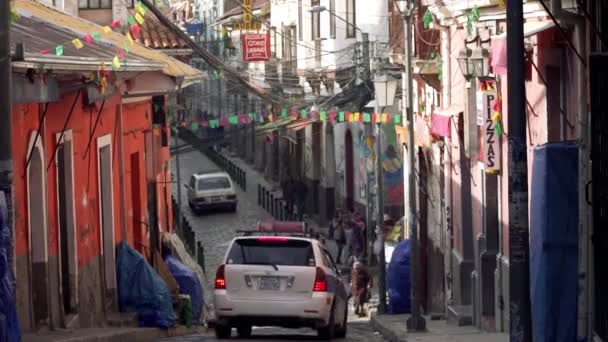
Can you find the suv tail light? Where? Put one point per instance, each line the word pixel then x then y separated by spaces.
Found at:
pixel 220 278
pixel 320 281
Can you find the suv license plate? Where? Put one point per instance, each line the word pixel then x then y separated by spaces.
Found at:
pixel 216 199
pixel 270 283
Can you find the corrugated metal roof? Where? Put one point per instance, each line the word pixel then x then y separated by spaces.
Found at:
pixel 80 27
pixel 38 35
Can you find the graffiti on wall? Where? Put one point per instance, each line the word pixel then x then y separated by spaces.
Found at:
pixel 393 167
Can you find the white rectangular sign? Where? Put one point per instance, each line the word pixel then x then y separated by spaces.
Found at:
pixel 491 143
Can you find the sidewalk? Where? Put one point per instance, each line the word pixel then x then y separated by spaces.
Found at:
pixel 112 334
pixel 393 328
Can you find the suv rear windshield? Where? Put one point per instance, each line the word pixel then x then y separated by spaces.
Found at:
pixel 269 252
pixel 214 183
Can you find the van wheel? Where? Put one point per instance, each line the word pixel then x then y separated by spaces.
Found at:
pixel 233 208
pixel 223 332
pixel 244 331
pixel 327 332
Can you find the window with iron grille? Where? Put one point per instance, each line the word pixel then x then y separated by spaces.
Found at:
pixel 94 4
pixel 351 19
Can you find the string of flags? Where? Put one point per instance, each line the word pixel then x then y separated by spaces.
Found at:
pixel 135 22
pixel 335 117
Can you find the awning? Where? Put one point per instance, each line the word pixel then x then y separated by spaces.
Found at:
pixel 498 53
pixel 441 120
pixel 78 27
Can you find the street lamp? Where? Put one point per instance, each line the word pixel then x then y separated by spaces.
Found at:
pixel 415 322
pixel 465 63
pixel 385 88
pixel 479 59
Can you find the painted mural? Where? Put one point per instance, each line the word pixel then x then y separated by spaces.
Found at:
pixel 393 167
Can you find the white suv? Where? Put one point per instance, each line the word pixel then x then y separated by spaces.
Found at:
pixel 211 191
pixel 290 282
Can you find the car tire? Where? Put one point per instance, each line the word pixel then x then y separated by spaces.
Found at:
pixel 341 332
pixel 327 332
pixel 244 331
pixel 233 208
pixel 223 332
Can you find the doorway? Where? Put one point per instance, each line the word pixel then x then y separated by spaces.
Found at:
pixel 330 171
pixel 107 219
pixel 136 203
pixel 350 172
pixel 67 227
pixel 38 234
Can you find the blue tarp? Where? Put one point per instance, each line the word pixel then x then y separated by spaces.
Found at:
pixel 399 279
pixel 188 284
pixel 142 290
pixel 9 324
pixel 554 242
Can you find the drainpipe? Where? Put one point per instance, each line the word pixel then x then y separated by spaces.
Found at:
pixel 121 165
pixel 585 309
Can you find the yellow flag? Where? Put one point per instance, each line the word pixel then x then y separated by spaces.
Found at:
pixel 116 63
pixel 77 44
pixel 140 8
pixel 130 38
pixel 107 29
pixel 356 116
pixel 384 117
pixel 139 18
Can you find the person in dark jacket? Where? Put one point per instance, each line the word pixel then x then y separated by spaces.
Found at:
pixel 301 194
pixel 361 283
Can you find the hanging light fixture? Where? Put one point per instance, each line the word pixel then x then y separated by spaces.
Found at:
pixel 385 88
pixel 480 58
pixel 465 63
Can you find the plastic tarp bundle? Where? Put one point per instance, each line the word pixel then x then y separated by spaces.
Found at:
pixel 142 290
pixel 554 242
pixel 188 284
pixel 9 324
pixel 399 279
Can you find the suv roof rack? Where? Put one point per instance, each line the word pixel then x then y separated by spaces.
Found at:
pixel 263 233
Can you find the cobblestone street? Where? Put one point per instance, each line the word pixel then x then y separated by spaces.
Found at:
pixel 216 230
pixel 357 332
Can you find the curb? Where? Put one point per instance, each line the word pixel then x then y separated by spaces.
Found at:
pixel 385 330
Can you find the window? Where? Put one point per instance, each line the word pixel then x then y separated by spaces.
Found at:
pixel 159 116
pixel 351 19
pixel 94 4
pixel 315 22
pixel 300 31
pixel 265 251
pixel 332 19
pixel 215 183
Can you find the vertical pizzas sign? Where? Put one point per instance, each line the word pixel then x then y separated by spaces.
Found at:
pixel 491 144
pixel 256 47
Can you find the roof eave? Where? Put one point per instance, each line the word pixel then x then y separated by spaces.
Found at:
pixel 81 64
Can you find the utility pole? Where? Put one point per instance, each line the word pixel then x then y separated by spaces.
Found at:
pixel 415 322
pixel 368 129
pixel 6 147
pixel 519 247
pixel 379 218
pixel 179 181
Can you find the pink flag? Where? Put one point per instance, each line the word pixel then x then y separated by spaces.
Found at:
pixel 89 39
pixel 136 30
pixel 116 24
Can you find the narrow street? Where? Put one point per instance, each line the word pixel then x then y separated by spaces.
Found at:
pixel 215 231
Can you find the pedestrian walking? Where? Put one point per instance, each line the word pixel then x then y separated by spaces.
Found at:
pixel 340 237
pixel 333 224
pixel 361 283
pixel 301 193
